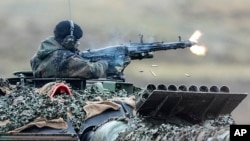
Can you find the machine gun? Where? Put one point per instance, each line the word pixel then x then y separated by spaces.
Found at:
pixel 121 55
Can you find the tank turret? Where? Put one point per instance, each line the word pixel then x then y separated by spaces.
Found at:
pixel 110 108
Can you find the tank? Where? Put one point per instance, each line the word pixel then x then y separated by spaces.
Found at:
pixel 111 109
pixel 156 110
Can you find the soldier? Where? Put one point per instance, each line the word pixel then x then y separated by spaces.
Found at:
pixel 58 55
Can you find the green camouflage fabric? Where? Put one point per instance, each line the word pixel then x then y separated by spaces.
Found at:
pixel 52 60
pixel 23 104
pixel 141 129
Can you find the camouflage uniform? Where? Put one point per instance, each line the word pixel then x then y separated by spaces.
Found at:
pixel 53 60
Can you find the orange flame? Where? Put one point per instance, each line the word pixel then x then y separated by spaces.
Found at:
pixel 197 49
pixel 195 36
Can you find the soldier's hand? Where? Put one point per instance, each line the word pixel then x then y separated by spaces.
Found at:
pixel 120 61
pixel 111 70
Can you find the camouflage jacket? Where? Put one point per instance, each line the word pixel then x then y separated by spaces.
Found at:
pixel 52 60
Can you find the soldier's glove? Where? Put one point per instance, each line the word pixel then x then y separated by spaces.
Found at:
pixel 119 62
pixel 112 71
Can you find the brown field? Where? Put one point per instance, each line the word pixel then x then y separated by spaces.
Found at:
pixel 24 23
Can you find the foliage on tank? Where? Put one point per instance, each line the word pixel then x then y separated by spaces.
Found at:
pixel 143 129
pixel 23 105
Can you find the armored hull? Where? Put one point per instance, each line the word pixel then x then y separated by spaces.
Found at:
pixel 156 110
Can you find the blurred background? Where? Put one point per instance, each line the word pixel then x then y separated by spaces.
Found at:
pixel 224 26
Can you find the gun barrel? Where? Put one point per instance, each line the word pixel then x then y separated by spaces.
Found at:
pixel 144 50
pixel 176 45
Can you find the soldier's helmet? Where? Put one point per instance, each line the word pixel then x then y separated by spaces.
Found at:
pixel 67 33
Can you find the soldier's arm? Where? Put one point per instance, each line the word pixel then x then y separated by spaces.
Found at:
pixel 76 66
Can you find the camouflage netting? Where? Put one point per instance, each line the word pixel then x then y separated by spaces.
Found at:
pixel 142 129
pixel 22 105
pixel 5 88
